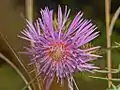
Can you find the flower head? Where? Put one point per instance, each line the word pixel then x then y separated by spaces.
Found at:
pixel 56 49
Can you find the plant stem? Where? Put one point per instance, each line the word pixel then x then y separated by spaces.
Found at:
pixel 114 19
pixel 29 15
pixel 109 62
pixel 29 9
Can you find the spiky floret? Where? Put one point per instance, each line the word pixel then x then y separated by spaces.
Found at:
pixel 56 50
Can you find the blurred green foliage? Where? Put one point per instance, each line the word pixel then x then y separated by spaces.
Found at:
pixel 9 79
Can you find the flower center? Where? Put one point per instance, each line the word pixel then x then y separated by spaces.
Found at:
pixel 57 53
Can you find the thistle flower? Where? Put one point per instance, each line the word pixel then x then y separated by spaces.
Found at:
pixel 56 49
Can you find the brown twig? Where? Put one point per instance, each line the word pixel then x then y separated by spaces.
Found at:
pixel 116 15
pixel 109 62
pixel 28 84
pixel 18 59
pixel 29 9
pixel 29 15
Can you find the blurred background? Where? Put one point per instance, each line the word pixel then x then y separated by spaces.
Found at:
pixel 12 21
